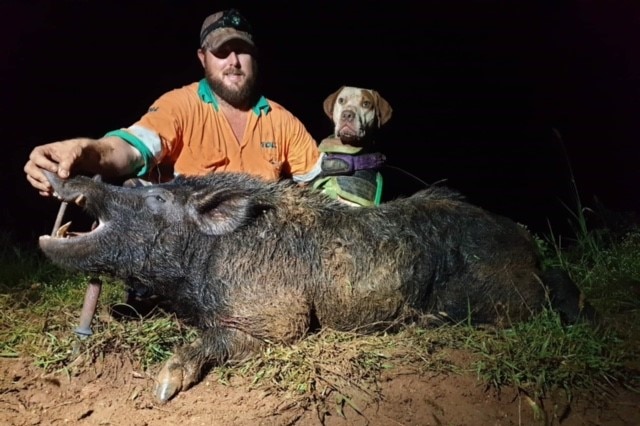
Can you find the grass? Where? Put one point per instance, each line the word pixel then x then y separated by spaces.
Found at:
pixel 333 369
pixel 541 355
pixel 40 304
pixel 39 309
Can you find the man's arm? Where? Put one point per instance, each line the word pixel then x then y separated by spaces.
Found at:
pixel 109 156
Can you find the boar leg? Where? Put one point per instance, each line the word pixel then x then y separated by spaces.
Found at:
pixel 283 318
pixel 187 366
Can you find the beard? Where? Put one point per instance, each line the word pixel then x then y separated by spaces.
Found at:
pixel 241 97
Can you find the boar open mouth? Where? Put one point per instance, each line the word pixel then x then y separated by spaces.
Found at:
pixel 62 234
pixel 63 231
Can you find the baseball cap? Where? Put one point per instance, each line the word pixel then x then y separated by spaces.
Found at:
pixel 221 27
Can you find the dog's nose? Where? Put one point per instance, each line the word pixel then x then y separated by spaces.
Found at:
pixel 347 116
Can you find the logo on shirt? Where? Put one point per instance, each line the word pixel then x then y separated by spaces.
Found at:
pixel 270 145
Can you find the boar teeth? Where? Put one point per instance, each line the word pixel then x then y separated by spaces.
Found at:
pixel 80 200
pixel 62 231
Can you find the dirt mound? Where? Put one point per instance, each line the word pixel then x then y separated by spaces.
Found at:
pixel 114 391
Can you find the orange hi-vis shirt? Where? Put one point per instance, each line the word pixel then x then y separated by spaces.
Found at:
pixel 186 130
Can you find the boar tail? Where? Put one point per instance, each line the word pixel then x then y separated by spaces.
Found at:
pixel 566 298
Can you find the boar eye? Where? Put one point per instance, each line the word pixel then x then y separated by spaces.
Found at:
pixel 158 200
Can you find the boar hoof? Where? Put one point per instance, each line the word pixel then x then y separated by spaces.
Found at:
pixel 169 381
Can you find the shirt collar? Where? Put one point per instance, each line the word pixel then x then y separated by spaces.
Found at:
pixel 205 93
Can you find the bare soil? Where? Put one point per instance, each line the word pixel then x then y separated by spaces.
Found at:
pixel 114 391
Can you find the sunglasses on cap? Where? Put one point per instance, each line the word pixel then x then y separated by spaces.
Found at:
pixel 230 19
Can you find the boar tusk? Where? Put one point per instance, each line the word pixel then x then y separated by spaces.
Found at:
pixel 59 217
pixel 80 200
pixel 62 231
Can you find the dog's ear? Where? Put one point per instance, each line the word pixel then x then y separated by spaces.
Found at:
pixel 383 109
pixel 330 102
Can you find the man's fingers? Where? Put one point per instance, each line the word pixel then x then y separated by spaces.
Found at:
pixel 40 159
pixel 43 186
pixel 66 156
pixel 64 168
pixel 35 172
pixel 57 157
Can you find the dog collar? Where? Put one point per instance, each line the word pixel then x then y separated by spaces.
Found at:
pixel 334 144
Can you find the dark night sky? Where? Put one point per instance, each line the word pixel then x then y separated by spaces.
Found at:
pixel 476 87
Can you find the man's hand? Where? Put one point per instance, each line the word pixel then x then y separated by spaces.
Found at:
pixel 56 157
pixel 109 156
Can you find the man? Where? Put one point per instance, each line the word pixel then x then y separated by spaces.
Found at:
pixel 217 124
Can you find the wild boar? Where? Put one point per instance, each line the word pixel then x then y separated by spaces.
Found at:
pixel 250 262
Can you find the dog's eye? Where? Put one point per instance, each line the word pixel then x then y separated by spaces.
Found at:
pixel 366 104
pixel 340 101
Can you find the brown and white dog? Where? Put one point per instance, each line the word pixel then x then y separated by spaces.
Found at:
pixel 356 114
pixel 350 165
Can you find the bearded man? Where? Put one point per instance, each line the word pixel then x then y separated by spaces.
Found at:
pixel 220 123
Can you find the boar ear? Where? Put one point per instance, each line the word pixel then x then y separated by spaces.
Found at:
pixel 220 212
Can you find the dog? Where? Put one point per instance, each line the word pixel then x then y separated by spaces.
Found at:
pixel 350 164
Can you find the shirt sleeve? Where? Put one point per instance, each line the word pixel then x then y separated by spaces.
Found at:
pixel 303 156
pixel 159 130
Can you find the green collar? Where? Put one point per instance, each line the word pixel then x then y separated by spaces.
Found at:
pixel 205 93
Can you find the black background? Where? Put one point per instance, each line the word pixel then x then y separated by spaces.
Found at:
pixel 477 88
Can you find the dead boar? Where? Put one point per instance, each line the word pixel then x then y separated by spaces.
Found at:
pixel 250 262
